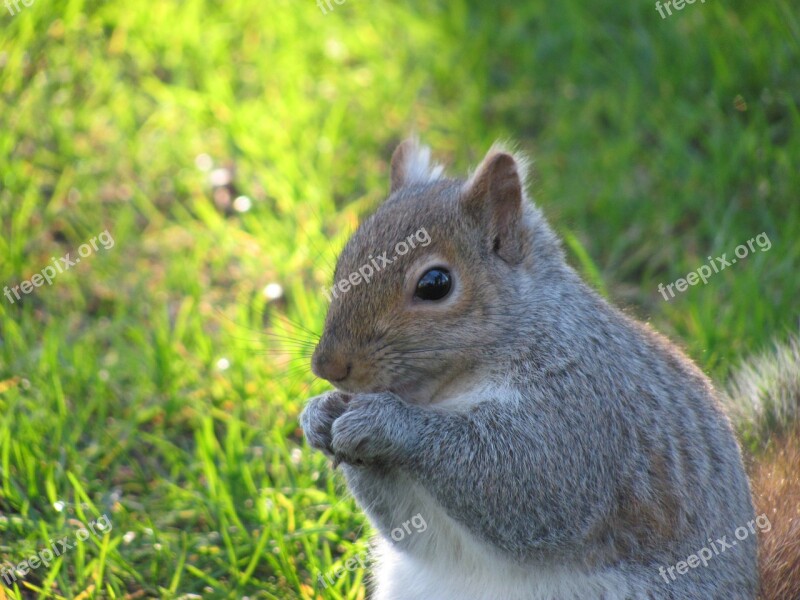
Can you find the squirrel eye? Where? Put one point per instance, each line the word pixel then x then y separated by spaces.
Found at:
pixel 435 284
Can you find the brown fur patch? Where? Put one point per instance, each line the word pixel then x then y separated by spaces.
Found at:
pixel 637 522
pixel 776 485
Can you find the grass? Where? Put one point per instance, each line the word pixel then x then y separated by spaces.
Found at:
pixel 151 382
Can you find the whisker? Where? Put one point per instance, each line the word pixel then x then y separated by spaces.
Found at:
pixel 311 383
pixel 311 240
pixel 286 319
pixel 261 334
pixel 283 359
pixel 285 336
pixel 403 352
pixel 287 342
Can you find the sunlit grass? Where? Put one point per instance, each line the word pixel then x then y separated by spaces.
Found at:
pixel 154 381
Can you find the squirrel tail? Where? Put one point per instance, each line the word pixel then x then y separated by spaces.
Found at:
pixel 765 407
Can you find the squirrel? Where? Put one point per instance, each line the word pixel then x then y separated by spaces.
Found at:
pixel 556 447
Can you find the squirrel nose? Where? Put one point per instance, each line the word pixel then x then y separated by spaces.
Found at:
pixel 333 368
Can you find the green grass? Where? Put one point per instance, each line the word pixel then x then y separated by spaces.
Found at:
pixel 656 143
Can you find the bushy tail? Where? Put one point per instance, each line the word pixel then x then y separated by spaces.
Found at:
pixel 776 486
pixel 765 407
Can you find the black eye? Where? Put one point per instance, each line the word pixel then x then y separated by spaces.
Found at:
pixel 434 284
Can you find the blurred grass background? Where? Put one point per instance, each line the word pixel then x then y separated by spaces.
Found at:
pixel 151 381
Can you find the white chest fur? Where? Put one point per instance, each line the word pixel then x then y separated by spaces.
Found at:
pixel 446 562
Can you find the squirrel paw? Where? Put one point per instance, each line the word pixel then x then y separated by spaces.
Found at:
pixel 318 417
pixel 367 432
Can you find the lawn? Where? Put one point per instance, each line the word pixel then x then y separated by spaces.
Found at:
pixel 213 157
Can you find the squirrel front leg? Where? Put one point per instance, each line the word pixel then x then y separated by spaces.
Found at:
pixel 512 481
pixel 374 429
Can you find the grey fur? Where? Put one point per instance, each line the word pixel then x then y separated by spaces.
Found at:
pixel 596 444
pixel 764 393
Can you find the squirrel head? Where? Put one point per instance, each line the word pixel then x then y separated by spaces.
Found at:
pixel 437 284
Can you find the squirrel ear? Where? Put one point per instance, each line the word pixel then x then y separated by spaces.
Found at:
pixel 411 163
pixel 493 196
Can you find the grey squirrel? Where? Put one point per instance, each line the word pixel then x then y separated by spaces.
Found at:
pixel 556 447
